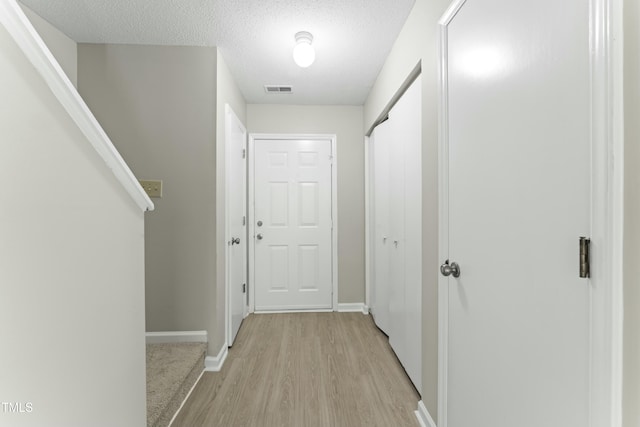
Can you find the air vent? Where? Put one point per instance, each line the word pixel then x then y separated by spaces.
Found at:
pixel 278 89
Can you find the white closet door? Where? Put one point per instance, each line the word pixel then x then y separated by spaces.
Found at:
pixel 397 238
pixel 380 140
pixel 397 333
pixel 408 133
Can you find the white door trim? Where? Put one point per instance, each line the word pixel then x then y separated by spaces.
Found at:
pixel 334 207
pixel 443 210
pixel 368 274
pixel 229 115
pixel 607 142
pixel 607 135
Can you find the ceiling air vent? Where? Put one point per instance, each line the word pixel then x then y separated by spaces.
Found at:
pixel 278 89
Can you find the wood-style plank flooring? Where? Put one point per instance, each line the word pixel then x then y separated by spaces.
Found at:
pixel 305 369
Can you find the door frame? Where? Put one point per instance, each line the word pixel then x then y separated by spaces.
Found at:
pixel 334 210
pixel 230 115
pixel 368 218
pixel 607 147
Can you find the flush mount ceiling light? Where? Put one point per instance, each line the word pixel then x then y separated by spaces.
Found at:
pixel 303 53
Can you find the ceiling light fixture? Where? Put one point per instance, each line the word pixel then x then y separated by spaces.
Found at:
pixel 303 53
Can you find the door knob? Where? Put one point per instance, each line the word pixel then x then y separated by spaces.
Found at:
pixel 450 270
pixel 235 240
pixel 259 236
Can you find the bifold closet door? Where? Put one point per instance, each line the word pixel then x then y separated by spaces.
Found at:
pixel 406 116
pixel 397 334
pixel 380 141
pixel 396 181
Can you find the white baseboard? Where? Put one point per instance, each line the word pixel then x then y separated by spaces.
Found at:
pixel 423 416
pixel 176 336
pixel 353 307
pixel 214 364
pixel 319 310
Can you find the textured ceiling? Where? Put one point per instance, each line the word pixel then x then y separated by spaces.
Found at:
pixel 256 37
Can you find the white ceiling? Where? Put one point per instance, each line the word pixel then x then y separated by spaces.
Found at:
pixel 352 38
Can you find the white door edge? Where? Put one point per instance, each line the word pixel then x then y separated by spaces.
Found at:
pixel 229 115
pixel 334 207
pixel 607 146
pixel 227 303
pixel 443 211
pixel 367 224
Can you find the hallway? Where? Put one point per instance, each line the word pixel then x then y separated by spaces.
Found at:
pixel 305 369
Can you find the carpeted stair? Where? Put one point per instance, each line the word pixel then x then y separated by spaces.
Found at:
pixel 172 370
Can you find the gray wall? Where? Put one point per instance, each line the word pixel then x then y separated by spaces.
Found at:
pixel 71 267
pixel 158 105
pixel 417 42
pixel 347 123
pixel 631 369
pixel 62 47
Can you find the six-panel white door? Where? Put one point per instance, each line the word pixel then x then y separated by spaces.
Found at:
pixel 293 227
pixel 518 90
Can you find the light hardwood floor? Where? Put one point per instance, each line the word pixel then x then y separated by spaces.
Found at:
pixel 307 369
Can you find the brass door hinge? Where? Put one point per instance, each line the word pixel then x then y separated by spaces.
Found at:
pixel 584 257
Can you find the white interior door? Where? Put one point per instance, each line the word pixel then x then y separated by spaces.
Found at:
pixel 236 173
pixel 517 97
pixel 293 227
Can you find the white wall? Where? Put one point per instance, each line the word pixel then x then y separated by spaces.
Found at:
pixel 64 49
pixel 227 93
pixel 346 122
pixel 417 43
pixel 631 372
pixel 71 267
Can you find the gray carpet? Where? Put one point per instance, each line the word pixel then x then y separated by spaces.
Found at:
pixel 172 369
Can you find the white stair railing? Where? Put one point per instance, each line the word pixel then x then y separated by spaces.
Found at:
pixel 19 27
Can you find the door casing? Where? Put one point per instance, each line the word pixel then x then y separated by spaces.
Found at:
pixel 251 210
pixel 606 212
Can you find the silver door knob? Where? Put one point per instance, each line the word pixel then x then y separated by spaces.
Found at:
pixel 235 240
pixel 450 270
pixel 259 236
